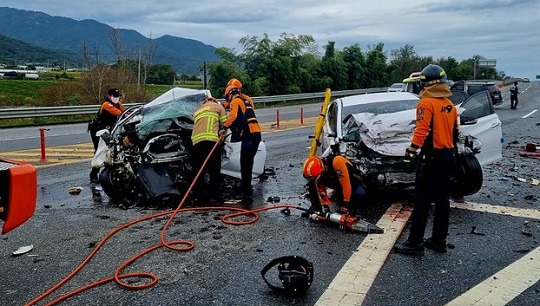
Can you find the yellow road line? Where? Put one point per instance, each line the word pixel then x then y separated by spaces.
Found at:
pixel 60 155
pixel 76 149
pixel 48 154
pixel 505 285
pixel 65 162
pixel 355 278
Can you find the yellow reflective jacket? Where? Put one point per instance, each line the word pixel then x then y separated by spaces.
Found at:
pixel 207 121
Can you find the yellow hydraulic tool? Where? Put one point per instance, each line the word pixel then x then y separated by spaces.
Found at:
pixel 320 123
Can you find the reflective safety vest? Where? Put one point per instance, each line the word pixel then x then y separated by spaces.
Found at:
pixel 207 121
pixel 242 120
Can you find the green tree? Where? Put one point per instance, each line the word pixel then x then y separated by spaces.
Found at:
pixel 276 66
pixel 376 72
pixel 355 62
pixel 334 67
pixel 309 74
pixel 229 66
pixel 449 64
pixel 161 74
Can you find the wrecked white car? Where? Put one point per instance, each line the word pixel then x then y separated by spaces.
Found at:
pixel 373 131
pixel 147 155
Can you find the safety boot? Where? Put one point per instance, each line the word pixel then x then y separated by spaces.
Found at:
pixel 437 246
pixel 409 249
pixel 94 175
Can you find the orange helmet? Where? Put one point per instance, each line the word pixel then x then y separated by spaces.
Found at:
pixel 231 89
pixel 313 167
pixel 235 82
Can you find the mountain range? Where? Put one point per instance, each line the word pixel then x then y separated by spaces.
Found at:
pixel 14 51
pixel 62 35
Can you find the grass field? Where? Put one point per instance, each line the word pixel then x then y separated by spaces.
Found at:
pixel 21 92
pixel 24 93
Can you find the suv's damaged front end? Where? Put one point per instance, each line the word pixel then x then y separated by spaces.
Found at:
pixel 376 145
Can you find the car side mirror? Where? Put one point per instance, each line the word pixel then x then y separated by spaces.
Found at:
pixel 468 120
pixel 103 134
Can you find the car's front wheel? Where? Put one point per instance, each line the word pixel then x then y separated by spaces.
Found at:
pixel 118 184
pixel 467 177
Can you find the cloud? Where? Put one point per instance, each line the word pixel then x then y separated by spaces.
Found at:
pixel 440 28
pixel 479 6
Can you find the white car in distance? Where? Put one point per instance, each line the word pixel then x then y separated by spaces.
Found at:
pixel 397 87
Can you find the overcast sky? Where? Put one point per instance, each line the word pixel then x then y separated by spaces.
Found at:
pixel 505 30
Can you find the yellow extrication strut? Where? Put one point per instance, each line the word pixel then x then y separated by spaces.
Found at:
pixel 320 124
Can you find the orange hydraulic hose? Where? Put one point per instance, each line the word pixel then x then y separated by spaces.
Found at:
pixel 187 245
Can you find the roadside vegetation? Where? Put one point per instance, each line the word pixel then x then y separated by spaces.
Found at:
pixel 291 64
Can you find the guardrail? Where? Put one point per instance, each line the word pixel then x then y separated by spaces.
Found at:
pixel 33 112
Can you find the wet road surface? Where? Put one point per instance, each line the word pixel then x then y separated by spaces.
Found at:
pixel 224 267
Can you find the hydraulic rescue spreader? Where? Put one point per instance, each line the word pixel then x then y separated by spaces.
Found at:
pixel 347 222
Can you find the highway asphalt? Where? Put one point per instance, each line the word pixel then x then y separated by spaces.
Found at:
pixel 495 234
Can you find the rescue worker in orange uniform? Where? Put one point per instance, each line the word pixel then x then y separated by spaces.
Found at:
pixel 236 83
pixel 207 128
pixel 105 118
pixel 338 173
pixel 245 128
pixel 435 135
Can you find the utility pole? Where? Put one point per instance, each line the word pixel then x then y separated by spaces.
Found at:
pixel 474 69
pixel 139 71
pixel 204 75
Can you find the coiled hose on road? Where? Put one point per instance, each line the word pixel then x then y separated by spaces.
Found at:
pixel 175 245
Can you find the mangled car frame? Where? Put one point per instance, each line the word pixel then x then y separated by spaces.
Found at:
pixel 373 130
pixel 147 155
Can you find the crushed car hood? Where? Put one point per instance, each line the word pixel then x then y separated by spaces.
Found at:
pixel 387 134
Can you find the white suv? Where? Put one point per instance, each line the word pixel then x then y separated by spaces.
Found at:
pixel 380 126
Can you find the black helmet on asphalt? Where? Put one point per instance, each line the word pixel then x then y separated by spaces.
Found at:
pixel 432 74
pixel 294 272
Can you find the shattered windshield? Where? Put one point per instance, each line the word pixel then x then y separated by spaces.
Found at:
pixel 173 114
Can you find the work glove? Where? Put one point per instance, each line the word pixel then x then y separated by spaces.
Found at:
pixel 222 133
pixel 409 160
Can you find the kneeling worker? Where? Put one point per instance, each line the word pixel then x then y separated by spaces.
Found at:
pixel 338 173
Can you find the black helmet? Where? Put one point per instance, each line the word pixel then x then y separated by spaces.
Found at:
pixel 432 74
pixel 114 92
pixel 294 272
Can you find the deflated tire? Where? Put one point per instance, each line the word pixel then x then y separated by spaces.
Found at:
pixel 107 182
pixel 467 178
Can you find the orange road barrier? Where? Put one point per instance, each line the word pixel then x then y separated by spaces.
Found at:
pixel 42 138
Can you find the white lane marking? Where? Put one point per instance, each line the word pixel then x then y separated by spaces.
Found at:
pixel 529 114
pixel 505 285
pixel 501 210
pixel 355 278
pixel 352 283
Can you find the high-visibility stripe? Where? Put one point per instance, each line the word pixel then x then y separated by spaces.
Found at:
pixel 211 123
pixel 204 136
pixel 206 115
